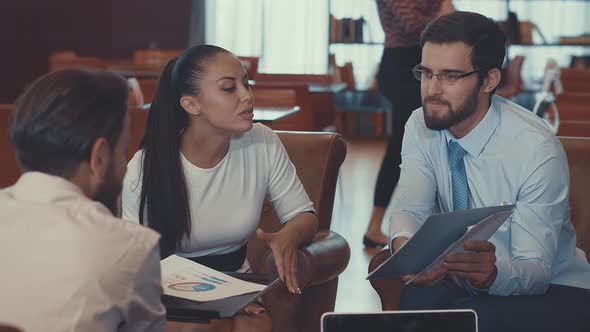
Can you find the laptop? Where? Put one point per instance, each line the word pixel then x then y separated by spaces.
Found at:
pixel 401 321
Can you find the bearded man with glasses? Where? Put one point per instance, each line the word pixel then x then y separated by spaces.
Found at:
pixel 467 148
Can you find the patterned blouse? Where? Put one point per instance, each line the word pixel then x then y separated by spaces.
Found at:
pixel 404 20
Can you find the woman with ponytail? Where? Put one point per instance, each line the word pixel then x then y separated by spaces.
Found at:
pixel 204 169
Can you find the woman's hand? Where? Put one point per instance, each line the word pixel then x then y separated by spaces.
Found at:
pixel 284 244
pixel 284 249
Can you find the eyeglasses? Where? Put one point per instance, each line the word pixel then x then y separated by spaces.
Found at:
pixel 444 78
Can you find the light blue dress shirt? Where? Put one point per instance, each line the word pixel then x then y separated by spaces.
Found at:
pixel 511 157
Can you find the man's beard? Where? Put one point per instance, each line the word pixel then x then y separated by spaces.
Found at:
pixel 108 191
pixel 453 116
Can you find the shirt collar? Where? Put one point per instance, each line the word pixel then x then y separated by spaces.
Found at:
pixel 44 188
pixel 478 137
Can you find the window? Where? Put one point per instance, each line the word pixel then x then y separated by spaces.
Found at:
pixel 288 36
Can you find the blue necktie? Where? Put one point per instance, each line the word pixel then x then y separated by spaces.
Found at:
pixel 460 191
pixel 459 178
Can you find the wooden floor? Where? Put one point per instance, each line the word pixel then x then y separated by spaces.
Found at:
pixel 352 209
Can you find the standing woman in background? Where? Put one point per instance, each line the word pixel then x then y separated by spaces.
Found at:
pixel 402 22
pixel 204 169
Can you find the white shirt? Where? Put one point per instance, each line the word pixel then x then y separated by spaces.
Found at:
pixel 68 265
pixel 511 157
pixel 226 200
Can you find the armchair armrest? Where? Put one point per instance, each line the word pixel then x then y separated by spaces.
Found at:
pixel 388 289
pixel 322 260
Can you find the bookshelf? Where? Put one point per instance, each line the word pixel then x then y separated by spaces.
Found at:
pixel 558 25
pixel 365 50
pixel 365 54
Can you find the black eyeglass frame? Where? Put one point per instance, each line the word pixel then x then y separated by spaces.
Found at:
pixel 417 71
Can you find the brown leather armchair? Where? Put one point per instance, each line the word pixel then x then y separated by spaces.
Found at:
pixel 317 158
pixel 578 157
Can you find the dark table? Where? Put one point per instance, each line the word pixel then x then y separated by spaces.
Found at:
pixel 262 114
pixel 272 114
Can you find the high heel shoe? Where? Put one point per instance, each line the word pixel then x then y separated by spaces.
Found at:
pixel 372 244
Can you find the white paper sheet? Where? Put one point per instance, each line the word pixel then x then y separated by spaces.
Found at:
pixel 184 278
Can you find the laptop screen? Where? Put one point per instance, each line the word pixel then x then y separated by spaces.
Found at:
pixel 401 321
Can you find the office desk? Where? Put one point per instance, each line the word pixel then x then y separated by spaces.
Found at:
pixel 127 68
pixel 332 88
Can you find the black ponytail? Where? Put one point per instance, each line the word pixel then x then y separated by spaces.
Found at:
pixel 164 194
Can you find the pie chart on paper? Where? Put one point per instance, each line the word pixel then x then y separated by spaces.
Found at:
pixel 191 287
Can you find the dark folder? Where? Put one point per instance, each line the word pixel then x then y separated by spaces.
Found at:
pixel 183 310
pixel 438 233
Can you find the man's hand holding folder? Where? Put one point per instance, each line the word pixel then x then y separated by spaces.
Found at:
pixel 425 279
pixel 450 244
pixel 478 265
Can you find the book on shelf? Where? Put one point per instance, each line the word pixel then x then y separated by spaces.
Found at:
pixel 346 30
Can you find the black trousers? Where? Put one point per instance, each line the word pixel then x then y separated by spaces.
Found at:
pixel 397 83
pixel 229 262
pixel 561 308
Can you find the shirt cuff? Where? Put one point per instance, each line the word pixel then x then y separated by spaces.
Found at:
pixel 398 234
pixel 480 290
pixel 500 285
pixel 402 224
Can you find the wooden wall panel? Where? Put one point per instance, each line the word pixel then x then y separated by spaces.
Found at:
pixel 31 29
